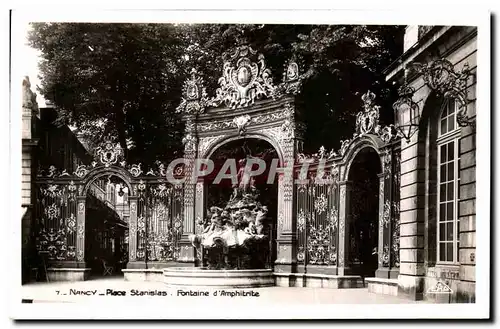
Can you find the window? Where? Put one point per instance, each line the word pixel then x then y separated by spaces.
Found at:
pixel 448 184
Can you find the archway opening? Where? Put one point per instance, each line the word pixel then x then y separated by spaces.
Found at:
pixel 364 210
pixel 220 192
pixel 106 226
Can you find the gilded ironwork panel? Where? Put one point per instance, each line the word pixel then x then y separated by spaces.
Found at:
pixel 317 223
pixel 160 209
pixel 395 218
pixel 56 211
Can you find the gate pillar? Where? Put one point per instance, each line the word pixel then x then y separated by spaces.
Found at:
pixel 132 236
pixel 344 220
pixel 186 252
pixel 384 225
pixel 286 258
pixel 200 206
pixel 80 233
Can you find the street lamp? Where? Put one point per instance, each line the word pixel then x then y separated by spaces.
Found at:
pixel 407 113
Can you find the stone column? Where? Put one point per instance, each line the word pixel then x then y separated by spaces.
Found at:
pixel 286 243
pixel 344 220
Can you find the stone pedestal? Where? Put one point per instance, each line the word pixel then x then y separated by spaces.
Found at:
pixel 189 277
pixel 318 280
pixel 382 286
pixel 68 274
pixel 141 275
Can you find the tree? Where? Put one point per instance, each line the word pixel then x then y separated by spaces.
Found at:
pixel 126 79
pixel 118 79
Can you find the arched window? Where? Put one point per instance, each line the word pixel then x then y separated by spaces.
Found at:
pixel 448 184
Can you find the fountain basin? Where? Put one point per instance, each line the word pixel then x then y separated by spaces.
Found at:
pixel 200 276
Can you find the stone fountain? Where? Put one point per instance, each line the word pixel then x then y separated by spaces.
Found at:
pixel 235 243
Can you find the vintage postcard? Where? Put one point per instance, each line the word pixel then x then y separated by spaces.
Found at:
pixel 229 165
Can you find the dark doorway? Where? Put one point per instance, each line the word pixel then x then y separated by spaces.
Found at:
pixel 106 226
pixel 364 207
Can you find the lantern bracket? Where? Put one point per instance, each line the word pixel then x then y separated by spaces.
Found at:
pixel 440 75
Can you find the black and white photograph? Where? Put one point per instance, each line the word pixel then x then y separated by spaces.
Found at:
pixel 274 166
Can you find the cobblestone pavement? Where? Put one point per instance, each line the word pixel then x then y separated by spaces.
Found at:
pixel 112 288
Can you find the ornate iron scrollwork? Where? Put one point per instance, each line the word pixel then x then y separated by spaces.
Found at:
pixel 135 170
pixel 367 119
pixel 440 75
pixel 109 153
pixel 241 123
pixel 319 246
pixel 292 79
pixel 244 80
pixel 194 96
pixel 367 122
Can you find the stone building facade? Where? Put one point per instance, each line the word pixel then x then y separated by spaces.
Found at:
pixel 438 164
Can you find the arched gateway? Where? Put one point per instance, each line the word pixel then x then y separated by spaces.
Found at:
pixel 74 207
pixel 247 105
pixel 330 227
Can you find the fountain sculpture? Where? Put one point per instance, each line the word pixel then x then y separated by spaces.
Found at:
pixel 234 241
pixel 235 237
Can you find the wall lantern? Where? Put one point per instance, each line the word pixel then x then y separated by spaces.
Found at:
pixel 121 192
pixel 407 113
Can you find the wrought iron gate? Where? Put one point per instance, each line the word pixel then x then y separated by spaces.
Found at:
pixel 156 210
pixel 317 223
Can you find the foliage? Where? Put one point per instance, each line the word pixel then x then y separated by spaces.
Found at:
pixel 118 79
pixel 125 79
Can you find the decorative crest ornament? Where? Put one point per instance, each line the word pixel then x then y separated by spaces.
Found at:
pixel 109 152
pixel 244 80
pixel 241 123
pixel 440 75
pixel 367 120
pixel 292 80
pixel 189 142
pixel 194 96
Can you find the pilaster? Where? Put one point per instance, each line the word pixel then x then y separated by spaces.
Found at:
pixel 286 260
pixel 344 220
pixel 80 225
pixel 132 233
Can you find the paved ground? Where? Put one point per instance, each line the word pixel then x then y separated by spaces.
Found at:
pixel 111 288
